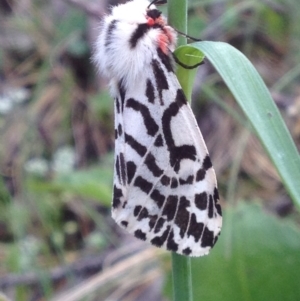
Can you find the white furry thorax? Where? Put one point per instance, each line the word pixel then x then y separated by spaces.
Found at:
pixel 116 58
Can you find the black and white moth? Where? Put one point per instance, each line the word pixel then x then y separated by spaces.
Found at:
pixel 165 189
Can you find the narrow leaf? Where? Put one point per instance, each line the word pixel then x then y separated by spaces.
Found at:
pixel 255 100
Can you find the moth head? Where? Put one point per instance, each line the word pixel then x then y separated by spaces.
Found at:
pixel 129 39
pixel 153 13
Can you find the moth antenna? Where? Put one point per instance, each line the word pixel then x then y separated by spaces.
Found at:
pixel 187 36
pixel 157 2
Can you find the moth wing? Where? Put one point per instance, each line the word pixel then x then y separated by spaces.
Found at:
pixel 165 189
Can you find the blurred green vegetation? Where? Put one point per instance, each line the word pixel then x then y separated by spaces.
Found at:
pixel 56 152
pixel 258 259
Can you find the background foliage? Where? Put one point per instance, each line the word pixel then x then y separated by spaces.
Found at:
pixel 56 158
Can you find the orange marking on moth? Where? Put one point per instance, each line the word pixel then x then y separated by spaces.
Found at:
pixel 170 35
pixel 163 42
pixel 161 21
pixel 165 38
pixel 150 21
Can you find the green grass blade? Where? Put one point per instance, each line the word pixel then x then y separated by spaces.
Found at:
pixel 181 265
pixel 177 18
pixel 182 278
pixel 255 100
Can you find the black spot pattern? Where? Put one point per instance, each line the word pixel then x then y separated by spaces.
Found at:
pixel 182 215
pixel 171 244
pixel 201 200
pixel 160 240
pixel 159 141
pixel 160 79
pixel 140 234
pixel 149 122
pixel 152 221
pixel 200 175
pixel 216 239
pixel 122 96
pixel 143 214
pixel 122 169
pixel 158 198
pixel 117 195
pixel 177 153
pixel 189 180
pixel 143 184
pixel 159 224
pixel 187 251
pixel 216 200
pixel 111 27
pixel 165 180
pixel 207 238
pixel 216 195
pixel 124 224
pixel 117 102
pixel 137 210
pixel 174 183
pixel 150 91
pixel 195 229
pixel 117 168
pixel 138 147
pixel 166 60
pixel 210 207
pixel 170 207
pixel 150 162
pixel 207 163
pixel 140 32
pixel 120 131
pixel 131 170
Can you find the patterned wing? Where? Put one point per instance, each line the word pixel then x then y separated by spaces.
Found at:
pixel 165 189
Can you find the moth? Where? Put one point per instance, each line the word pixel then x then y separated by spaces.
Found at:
pixel 165 189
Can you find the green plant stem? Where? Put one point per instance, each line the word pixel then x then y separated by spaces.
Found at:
pixel 177 18
pixel 182 278
pixel 181 265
